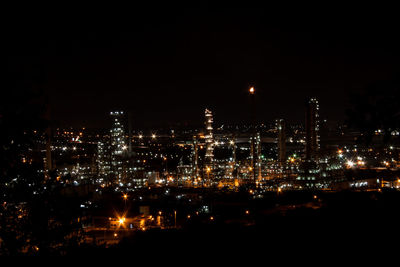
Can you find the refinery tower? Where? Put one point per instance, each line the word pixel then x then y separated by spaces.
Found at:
pixel 209 138
pixel 312 129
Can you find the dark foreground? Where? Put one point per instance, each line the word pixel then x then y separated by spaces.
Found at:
pixel 334 223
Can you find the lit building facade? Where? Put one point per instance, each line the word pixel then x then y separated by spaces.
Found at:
pixel 258 162
pixel 209 139
pixel 310 171
pixel 312 129
pixel 118 146
pixel 103 162
pixel 195 161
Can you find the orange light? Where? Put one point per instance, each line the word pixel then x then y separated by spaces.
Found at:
pixel 121 220
pixel 252 90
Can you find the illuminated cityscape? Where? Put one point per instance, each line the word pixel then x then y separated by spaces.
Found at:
pixel 198 137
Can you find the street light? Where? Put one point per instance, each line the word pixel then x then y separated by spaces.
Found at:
pixel 166 168
pixel 252 90
pixel 125 197
pixel 208 173
pixel 175 217
pixel 121 221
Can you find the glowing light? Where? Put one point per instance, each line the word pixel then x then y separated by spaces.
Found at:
pixel 252 90
pixel 121 220
pixel 350 163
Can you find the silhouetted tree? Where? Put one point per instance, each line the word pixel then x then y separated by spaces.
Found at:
pixel 375 107
pixel 34 216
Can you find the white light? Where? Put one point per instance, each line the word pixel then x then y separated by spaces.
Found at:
pixel 350 164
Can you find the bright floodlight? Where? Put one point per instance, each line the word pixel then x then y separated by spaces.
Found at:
pixel 350 164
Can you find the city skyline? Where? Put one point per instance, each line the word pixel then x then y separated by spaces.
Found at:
pixel 196 131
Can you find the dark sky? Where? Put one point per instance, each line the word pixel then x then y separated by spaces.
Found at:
pixel 166 65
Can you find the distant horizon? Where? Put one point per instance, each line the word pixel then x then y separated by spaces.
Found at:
pixel 103 120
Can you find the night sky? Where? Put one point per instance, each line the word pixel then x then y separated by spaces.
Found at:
pixel 166 65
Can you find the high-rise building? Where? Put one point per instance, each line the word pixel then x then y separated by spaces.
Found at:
pixel 209 139
pixel 281 141
pixel 312 129
pixel 309 170
pixel 118 146
pixel 195 161
pixel 255 156
pixel 233 161
pixel 104 162
pixel 258 155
